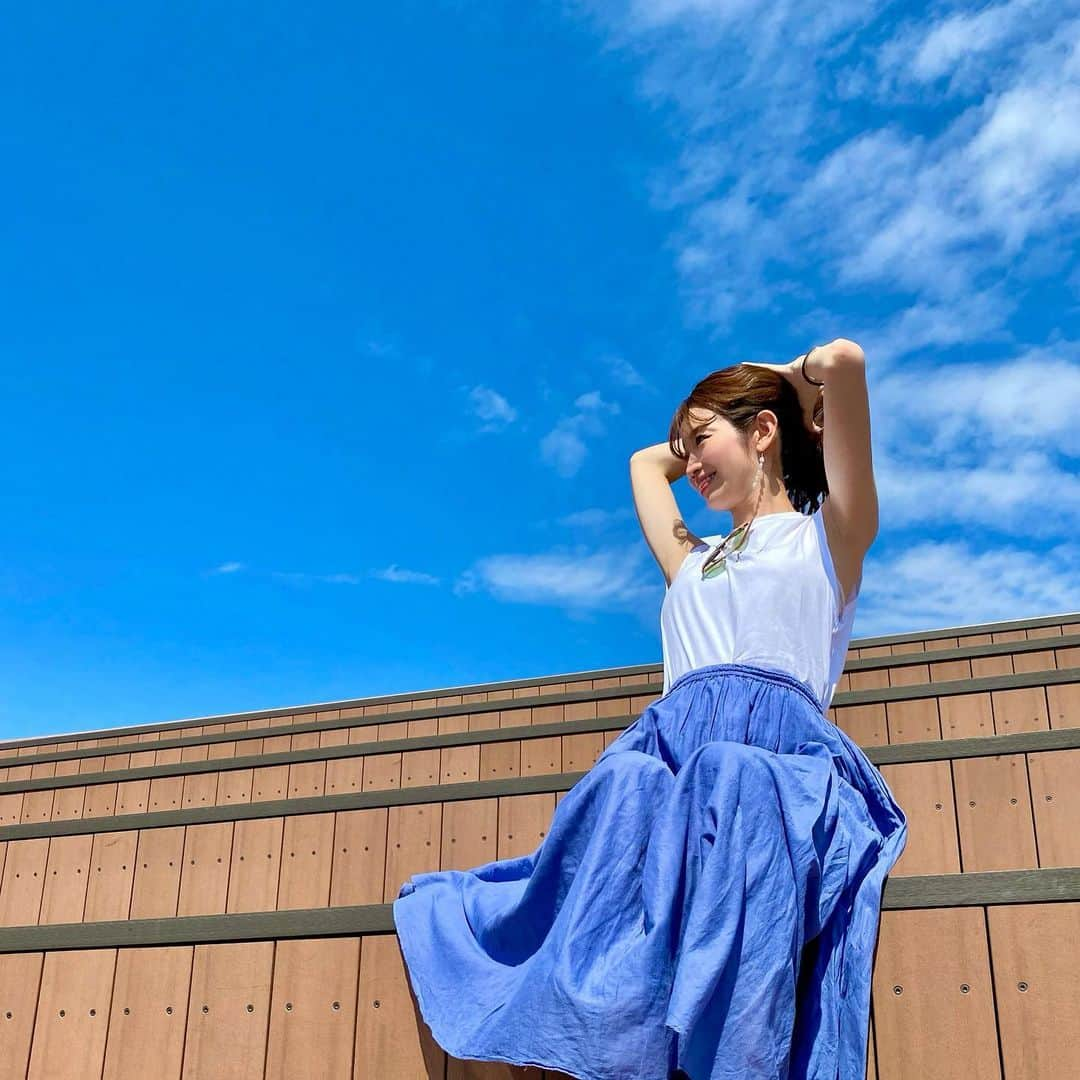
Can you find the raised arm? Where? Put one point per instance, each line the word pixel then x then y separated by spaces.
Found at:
pixel 652 472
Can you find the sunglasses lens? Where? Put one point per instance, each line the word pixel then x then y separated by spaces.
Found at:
pixel 714 561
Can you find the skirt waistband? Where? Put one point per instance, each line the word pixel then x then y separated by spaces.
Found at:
pixel 753 671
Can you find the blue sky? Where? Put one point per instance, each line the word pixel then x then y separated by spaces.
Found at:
pixel 327 334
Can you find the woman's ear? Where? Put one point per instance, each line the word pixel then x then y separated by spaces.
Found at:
pixel 768 427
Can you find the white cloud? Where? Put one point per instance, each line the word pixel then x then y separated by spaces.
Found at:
pixel 624 373
pixel 228 568
pixel 400 576
pixel 491 407
pixel 379 349
pixel 987 446
pixel 935 584
pixel 391 573
pixel 605 580
pixel 774 182
pixel 596 518
pixel 564 447
pixel 964 47
pixel 967 410
pixel 592 402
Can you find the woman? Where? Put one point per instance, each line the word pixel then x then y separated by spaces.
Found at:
pixel 706 901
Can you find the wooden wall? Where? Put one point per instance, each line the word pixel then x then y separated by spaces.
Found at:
pixel 213 896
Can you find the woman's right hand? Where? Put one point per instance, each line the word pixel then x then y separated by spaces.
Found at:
pixel 811 398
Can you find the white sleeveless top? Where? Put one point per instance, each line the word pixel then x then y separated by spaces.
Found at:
pixel 778 605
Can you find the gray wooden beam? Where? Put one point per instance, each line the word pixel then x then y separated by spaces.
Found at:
pixel 900 893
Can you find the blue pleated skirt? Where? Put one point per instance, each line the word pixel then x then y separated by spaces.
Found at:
pixel 705 903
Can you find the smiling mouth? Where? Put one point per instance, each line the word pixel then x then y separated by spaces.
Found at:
pixel 705 481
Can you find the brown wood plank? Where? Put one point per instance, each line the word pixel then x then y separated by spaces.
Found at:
pixel 38 806
pixel 523 822
pixel 307 779
pixel 229 1011
pixel 307 856
pixel 73 1015
pixel 234 787
pixel 133 796
pixel 113 870
pixel 1055 795
pixel 1063 701
pixel 1024 709
pixel 470 834
pixel 344 775
pixel 158 867
pixel 23 882
pixel 966 716
pixel 200 789
pixel 913 721
pixel 148 1018
pixel 359 857
pixel 925 791
pixel 166 793
pixel 382 772
pixel 313 1009
pixel 1037 980
pixel 420 768
pixel 256 865
pixel 993 806
pixel 866 724
pixel 541 756
pixel 100 800
pixel 20 980
pixel 66 875
pixel 412 844
pixel 392 1040
pixel 269 782
pixel 204 878
pixel 933 997
pixel 11 808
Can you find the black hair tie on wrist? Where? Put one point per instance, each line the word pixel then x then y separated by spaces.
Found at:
pixel 802 368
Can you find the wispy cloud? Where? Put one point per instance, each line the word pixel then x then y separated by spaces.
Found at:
pixel 934 584
pixel 596 518
pixel 392 573
pixel 400 576
pixel 578 581
pixel 300 577
pixel 991 445
pixel 624 373
pixel 564 448
pixel 228 568
pixel 377 348
pixel 491 407
pixel 936 216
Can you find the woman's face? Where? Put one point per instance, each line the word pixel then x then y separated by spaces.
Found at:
pixel 717 465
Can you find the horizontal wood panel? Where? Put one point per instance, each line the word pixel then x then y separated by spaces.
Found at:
pixel 962 709
pixel 992 813
pixel 955 991
pixel 875 649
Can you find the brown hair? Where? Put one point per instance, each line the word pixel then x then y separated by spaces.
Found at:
pixel 738 394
